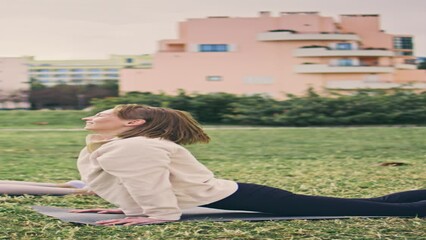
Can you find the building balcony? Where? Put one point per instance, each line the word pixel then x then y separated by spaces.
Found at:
pixel 289 36
pixel 324 68
pixel 353 85
pixel 85 73
pixel 406 66
pixel 326 52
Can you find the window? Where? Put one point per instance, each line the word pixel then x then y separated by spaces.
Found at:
pixel 214 78
pixel 213 48
pixel 95 75
pixel 112 75
pixel 61 75
pixel 344 62
pixel 343 46
pixel 410 61
pixel 403 42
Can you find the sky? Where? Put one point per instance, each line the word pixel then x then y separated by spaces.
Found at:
pixel 94 29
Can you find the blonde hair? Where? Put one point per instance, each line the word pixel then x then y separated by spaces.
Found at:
pixel 174 125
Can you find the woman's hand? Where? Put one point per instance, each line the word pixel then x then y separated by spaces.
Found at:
pixel 98 210
pixel 128 221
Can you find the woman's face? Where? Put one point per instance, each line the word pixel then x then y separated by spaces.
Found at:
pixel 105 122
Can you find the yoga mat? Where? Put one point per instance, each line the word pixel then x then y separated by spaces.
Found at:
pixel 193 214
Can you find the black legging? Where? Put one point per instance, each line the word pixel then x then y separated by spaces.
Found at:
pixel 253 197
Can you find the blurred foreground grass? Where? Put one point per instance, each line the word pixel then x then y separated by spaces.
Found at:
pixel 340 162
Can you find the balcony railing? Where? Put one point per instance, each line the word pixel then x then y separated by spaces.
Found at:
pixel 289 36
pixel 324 68
pixel 326 52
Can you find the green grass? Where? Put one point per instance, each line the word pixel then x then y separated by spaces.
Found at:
pixel 340 162
pixel 42 119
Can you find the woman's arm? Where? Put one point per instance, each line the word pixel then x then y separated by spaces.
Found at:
pixel 128 221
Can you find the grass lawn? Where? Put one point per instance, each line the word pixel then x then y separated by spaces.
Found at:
pixel 340 162
pixel 40 119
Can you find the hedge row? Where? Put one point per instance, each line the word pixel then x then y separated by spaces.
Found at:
pixel 362 108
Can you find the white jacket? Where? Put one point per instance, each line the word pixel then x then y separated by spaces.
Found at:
pixel 149 177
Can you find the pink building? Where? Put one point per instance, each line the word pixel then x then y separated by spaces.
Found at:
pixel 278 55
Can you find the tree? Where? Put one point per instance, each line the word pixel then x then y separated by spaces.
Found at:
pixel 69 96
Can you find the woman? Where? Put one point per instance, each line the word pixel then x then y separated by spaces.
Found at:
pixel 35 188
pixel 136 161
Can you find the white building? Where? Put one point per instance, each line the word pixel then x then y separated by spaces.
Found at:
pixel 83 71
